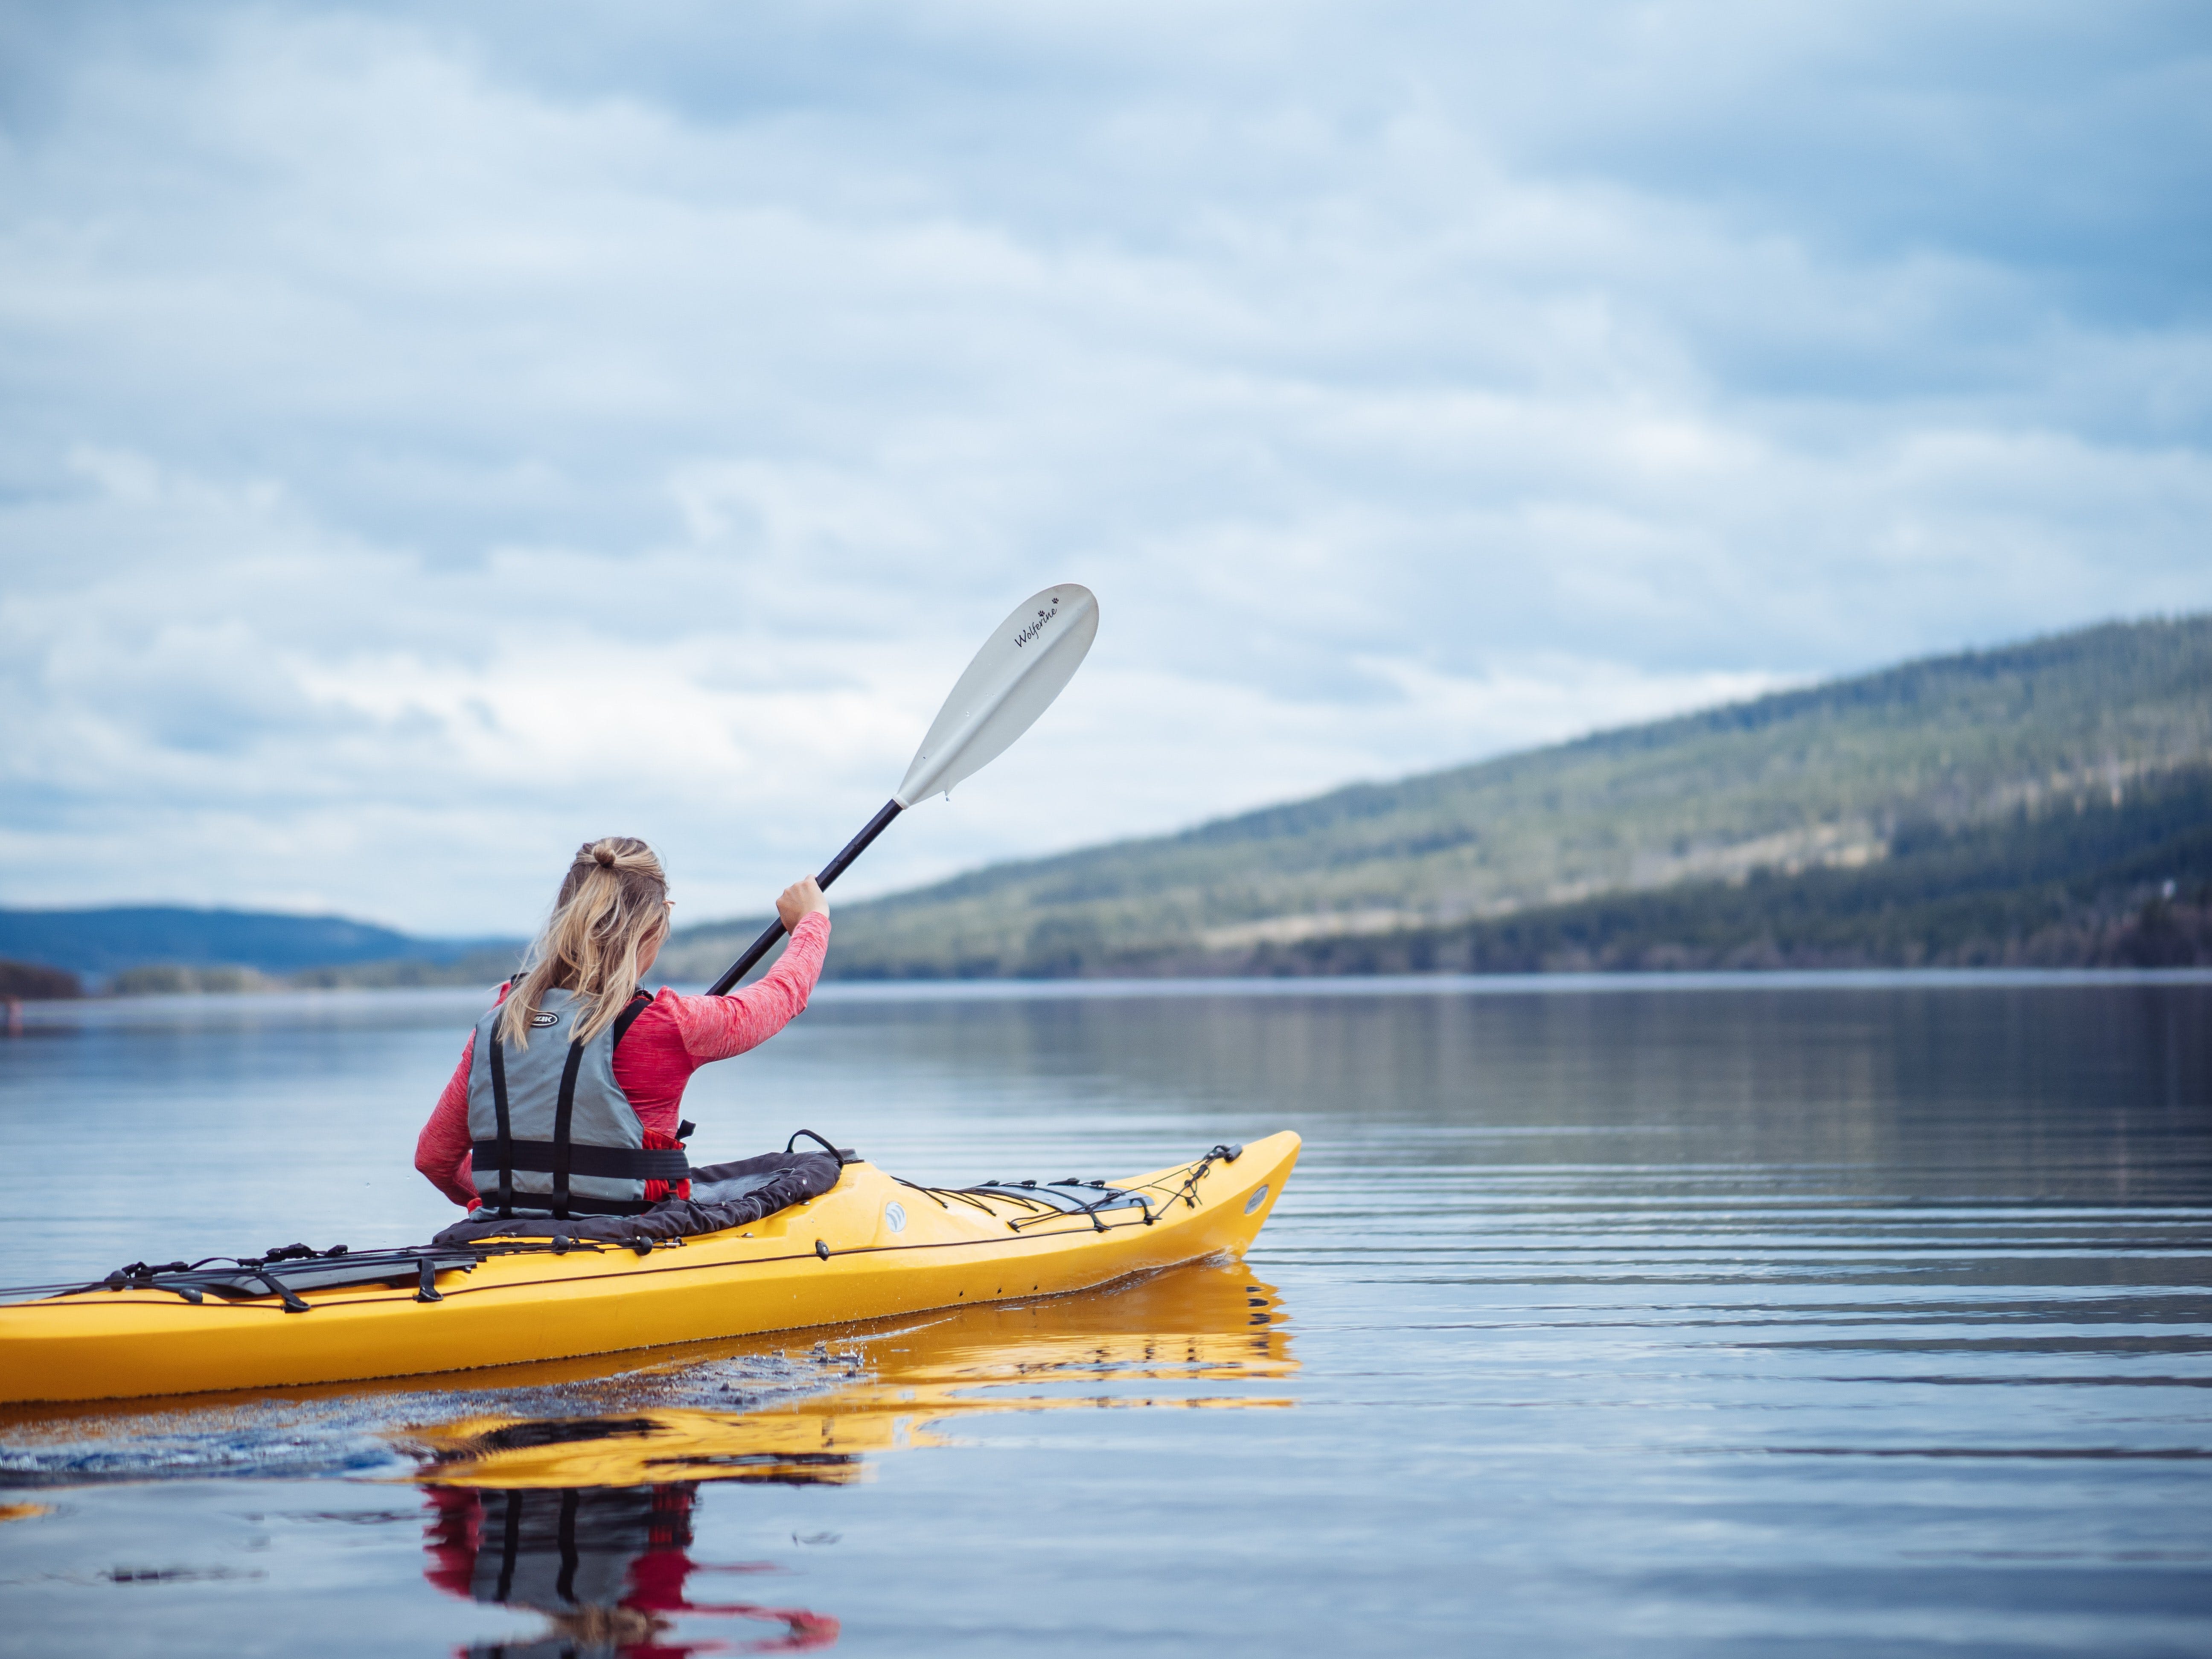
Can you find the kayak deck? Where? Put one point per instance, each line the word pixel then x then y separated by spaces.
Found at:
pixel 871 1246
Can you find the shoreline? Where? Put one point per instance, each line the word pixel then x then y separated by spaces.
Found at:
pixel 104 1010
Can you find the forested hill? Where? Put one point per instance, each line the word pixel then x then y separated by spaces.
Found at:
pixel 1951 771
pixel 108 940
pixel 174 947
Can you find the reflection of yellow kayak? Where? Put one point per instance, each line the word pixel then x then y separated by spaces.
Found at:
pixel 1205 1324
pixel 870 1247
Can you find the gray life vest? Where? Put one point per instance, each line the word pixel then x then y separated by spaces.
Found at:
pixel 553 1132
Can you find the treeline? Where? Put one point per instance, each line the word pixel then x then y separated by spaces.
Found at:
pixel 485 966
pixel 2092 884
pixel 2105 886
pixel 36 981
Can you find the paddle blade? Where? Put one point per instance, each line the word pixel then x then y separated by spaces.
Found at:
pixel 1014 679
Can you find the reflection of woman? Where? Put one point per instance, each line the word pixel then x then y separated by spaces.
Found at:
pixel 607 1565
pixel 585 1120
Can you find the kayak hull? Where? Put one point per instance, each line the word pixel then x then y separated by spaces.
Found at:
pixel 871 1246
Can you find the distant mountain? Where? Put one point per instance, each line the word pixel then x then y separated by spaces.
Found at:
pixel 103 943
pixel 1942 778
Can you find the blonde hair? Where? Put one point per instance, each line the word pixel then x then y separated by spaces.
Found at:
pixel 612 904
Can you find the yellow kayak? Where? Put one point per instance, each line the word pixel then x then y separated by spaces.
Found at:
pixel 872 1246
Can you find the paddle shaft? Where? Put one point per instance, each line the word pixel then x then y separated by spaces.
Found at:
pixel 836 866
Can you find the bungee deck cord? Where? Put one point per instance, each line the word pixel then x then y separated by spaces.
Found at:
pixel 1049 1200
pixel 286 1271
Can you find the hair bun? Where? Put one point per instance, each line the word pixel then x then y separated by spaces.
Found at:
pixel 605 855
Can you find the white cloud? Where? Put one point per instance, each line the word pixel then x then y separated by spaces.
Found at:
pixel 429 443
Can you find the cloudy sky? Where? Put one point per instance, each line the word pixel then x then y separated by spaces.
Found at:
pixel 430 436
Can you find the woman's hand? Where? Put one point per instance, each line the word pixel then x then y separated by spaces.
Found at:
pixel 802 898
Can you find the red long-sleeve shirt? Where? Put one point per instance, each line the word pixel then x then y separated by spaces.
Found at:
pixel 673 1038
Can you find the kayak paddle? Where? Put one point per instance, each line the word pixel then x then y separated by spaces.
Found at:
pixel 1013 680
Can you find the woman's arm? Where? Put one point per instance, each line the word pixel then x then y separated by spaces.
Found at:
pixel 715 1028
pixel 442 1151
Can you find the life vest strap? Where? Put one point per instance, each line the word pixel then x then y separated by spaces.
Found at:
pixel 564 1112
pixel 503 1148
pixel 609 1163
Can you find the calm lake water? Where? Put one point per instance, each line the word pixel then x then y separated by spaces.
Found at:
pixel 1712 1316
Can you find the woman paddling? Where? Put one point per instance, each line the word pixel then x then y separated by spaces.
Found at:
pixel 567 1099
